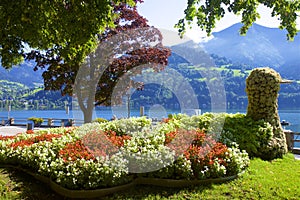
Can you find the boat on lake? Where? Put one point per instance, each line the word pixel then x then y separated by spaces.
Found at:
pixel 285 123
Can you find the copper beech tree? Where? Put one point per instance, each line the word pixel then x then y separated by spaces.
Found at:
pixel 131 43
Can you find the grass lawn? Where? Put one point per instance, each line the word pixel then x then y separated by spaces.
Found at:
pixel 279 179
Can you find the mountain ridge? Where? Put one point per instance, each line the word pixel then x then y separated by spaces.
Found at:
pixel 261 46
pixel 22 73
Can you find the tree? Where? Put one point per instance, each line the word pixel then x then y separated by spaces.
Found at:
pixel 64 29
pixel 207 13
pixel 130 43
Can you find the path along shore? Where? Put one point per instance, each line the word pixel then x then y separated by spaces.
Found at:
pixel 13 130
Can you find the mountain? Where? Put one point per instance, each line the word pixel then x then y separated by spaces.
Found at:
pixel 22 74
pixel 261 46
pixel 228 55
pixel 215 86
pixel 22 88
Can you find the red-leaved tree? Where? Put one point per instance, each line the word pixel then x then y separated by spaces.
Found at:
pixel 131 44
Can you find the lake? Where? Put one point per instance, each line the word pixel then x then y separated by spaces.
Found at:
pixel 291 116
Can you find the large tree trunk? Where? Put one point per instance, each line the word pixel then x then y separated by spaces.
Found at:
pixel 88 114
pixel 88 107
pixel 86 100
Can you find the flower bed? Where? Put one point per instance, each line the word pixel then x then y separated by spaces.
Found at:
pixel 123 152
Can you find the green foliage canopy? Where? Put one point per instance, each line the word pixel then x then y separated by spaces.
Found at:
pixel 208 12
pixel 68 27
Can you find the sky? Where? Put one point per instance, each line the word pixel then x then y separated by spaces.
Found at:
pixel 164 14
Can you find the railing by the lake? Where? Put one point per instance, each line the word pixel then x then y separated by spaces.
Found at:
pixel 47 123
pixel 291 139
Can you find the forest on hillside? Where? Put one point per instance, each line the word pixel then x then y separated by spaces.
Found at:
pixel 21 97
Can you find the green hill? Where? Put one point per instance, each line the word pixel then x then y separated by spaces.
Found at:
pixel 20 96
pixel 232 76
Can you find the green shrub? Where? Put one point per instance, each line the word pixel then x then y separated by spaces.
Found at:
pixel 252 136
pixel 202 122
pixel 36 120
pixel 100 120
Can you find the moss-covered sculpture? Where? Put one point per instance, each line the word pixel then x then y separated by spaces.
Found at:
pixel 262 87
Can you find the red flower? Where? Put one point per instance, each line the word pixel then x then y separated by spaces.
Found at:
pixel 179 140
pixel 117 140
pixel 166 120
pixel 74 151
pixel 36 139
pixel 30 132
pixel 170 136
pixel 6 137
pixel 92 145
pixel 201 149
